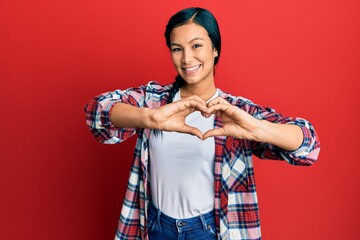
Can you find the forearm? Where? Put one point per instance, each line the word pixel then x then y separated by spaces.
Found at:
pixel 286 136
pixel 128 116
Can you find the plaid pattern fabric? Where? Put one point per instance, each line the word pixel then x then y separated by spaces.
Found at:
pixel 236 204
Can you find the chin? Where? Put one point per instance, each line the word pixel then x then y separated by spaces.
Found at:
pixel 190 80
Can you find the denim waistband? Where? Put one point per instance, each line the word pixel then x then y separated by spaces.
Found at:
pixel 201 221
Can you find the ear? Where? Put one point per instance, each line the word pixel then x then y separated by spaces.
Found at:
pixel 215 53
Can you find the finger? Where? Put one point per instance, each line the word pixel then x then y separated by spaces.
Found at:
pixel 214 132
pixel 205 114
pixel 218 100
pixel 200 106
pixel 197 98
pixel 218 107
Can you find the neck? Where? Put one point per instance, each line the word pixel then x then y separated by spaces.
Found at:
pixel 205 92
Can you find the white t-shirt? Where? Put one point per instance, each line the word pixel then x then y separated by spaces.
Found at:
pixel 182 169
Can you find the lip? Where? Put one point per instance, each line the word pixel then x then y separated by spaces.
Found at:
pixel 192 69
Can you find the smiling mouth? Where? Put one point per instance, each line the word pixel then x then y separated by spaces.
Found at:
pixel 191 70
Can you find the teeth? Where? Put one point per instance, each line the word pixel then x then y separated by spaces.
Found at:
pixel 192 68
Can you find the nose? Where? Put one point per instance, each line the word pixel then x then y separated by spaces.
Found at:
pixel 187 56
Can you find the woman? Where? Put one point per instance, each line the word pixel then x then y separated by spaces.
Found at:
pixel 192 176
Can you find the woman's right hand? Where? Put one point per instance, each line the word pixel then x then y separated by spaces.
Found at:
pixel 171 117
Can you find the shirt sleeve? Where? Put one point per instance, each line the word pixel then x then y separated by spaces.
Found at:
pixel 98 112
pixel 305 155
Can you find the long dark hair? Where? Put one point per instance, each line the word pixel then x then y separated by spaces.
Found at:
pixel 201 17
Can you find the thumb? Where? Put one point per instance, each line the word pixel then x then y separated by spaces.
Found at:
pixel 214 132
pixel 192 130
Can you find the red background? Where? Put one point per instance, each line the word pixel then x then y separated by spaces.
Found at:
pixel 300 57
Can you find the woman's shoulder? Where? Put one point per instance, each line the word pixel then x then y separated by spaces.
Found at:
pixel 150 89
pixel 157 94
pixel 156 87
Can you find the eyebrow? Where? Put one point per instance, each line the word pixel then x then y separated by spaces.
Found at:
pixel 192 40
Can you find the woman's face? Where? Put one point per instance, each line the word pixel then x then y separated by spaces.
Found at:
pixel 192 54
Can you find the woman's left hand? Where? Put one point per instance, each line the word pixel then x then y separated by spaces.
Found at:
pixel 239 124
pixel 236 122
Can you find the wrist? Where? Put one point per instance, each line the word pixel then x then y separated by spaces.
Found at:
pixel 261 132
pixel 147 118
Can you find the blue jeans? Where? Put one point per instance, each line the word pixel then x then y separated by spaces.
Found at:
pixel 163 227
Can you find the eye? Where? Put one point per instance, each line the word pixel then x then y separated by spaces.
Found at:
pixel 197 45
pixel 176 49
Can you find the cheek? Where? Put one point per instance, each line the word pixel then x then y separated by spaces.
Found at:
pixel 175 59
pixel 209 58
pixel 208 55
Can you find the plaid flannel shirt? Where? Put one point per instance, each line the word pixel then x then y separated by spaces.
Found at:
pixel 236 204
